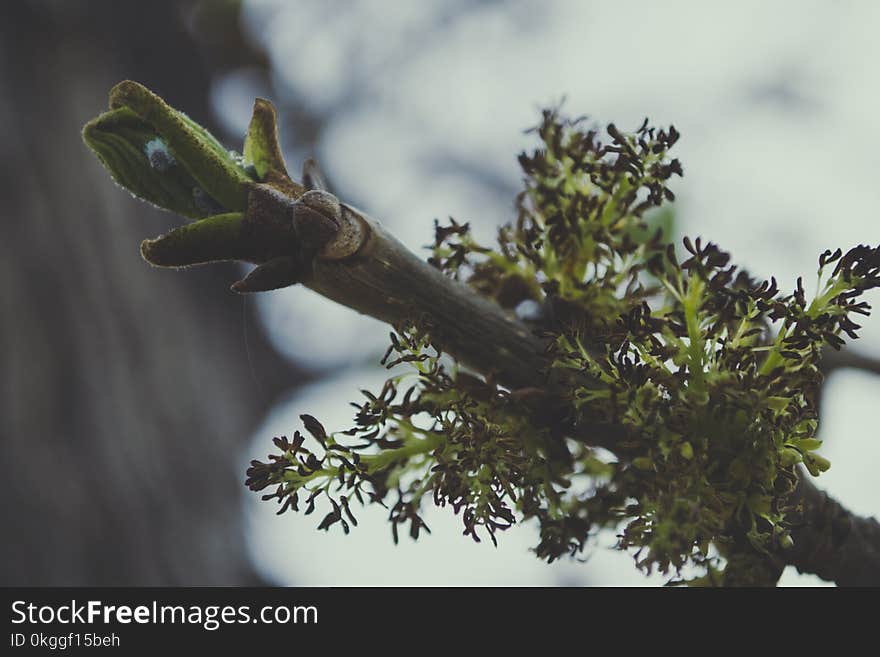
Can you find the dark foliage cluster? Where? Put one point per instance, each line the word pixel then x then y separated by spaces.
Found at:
pixel 709 376
pixel 460 440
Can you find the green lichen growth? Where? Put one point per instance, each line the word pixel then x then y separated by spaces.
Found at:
pixel 680 393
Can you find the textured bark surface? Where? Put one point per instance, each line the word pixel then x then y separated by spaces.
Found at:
pixel 832 542
pixel 127 392
pixel 387 281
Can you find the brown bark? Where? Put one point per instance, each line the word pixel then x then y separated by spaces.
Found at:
pixel 832 542
pixel 387 281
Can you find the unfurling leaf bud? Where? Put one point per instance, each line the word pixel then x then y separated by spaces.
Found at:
pixel 162 156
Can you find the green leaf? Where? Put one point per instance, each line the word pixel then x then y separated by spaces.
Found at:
pixel 816 464
pixel 212 239
pixel 778 404
pixel 261 146
pixel 687 450
pixel 140 160
pixel 180 148
pixel 789 457
pixel 808 444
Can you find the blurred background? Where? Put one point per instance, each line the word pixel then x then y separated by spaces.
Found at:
pixel 133 398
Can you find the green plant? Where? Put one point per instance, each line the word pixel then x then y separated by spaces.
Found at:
pixel 666 395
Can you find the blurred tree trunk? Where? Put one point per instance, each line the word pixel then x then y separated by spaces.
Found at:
pixel 121 435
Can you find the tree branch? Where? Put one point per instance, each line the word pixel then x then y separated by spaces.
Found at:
pixel 831 542
pixel 387 281
pixel 299 233
pixel 848 358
